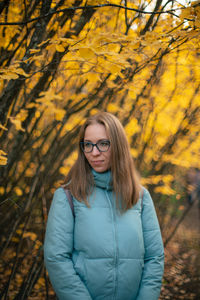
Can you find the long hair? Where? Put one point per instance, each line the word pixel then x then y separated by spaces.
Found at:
pixel 124 175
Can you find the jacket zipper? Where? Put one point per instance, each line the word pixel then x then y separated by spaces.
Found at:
pixel 116 245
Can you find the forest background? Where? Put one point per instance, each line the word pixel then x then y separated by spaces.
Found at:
pixel 61 61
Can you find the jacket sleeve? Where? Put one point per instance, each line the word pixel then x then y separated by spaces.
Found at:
pixel 58 247
pixel 154 252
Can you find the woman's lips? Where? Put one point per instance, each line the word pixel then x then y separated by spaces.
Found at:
pixel 97 162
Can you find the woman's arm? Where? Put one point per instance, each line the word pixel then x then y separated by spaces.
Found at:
pixel 58 247
pixel 154 252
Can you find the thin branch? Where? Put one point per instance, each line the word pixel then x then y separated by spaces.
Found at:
pixel 89 7
pixel 179 222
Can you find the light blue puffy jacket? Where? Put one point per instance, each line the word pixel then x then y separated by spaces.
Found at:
pixel 102 254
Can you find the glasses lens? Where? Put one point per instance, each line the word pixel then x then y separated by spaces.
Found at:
pixel 87 147
pixel 103 146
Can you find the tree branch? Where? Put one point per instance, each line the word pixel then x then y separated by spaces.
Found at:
pixel 171 11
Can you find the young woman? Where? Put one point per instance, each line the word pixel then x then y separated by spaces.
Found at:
pixel 112 248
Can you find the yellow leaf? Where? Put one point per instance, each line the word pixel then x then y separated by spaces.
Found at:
pixel 2 152
pixel 9 76
pixel 167 178
pixel 31 105
pixel 64 170
pixel 15 240
pixel 21 72
pixel 166 190
pixel 17 123
pixel 41 281
pixel 113 108
pixel 181 207
pixel 93 111
pixel 31 235
pixel 114 47
pixel 18 191
pixel 114 68
pixel 34 50
pixel 134 152
pixel 60 48
pixel 2 190
pixel 22 115
pixel 93 77
pixel 132 127
pixel 29 172
pixel 86 53
pixel 3 127
pixel 59 114
pixel 132 94
pixel 3 160
pixel 37 114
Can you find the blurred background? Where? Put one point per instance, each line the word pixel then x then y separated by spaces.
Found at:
pixel 61 61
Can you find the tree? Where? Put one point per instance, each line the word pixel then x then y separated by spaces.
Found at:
pixel 63 60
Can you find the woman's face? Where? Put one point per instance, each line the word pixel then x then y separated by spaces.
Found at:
pixel 99 161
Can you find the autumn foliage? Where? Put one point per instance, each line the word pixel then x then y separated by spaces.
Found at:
pixel 61 61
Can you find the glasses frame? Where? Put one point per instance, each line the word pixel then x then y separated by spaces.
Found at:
pixel 82 143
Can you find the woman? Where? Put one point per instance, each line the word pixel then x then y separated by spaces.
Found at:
pixel 112 248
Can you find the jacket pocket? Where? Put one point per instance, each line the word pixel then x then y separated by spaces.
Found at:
pixel 79 267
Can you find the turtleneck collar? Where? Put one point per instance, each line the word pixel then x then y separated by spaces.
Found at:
pixel 103 180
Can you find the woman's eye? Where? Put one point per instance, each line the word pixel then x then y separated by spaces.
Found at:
pixel 87 145
pixel 104 144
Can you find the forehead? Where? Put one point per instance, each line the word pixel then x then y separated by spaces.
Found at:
pixel 95 132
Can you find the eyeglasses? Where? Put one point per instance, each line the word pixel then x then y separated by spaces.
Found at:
pixel 102 146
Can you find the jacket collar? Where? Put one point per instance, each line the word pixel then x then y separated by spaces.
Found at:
pixel 103 180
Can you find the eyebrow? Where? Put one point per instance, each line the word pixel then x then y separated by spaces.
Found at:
pixel 101 140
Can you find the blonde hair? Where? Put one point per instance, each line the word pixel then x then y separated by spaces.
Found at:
pixel 124 175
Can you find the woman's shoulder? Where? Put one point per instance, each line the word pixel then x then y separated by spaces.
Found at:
pixel 146 196
pixel 59 195
pixel 144 191
pixel 59 191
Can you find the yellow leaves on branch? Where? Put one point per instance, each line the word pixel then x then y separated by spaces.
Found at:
pixel 30 235
pixel 166 190
pixel 68 162
pixel 156 179
pixel 57 43
pixel 134 152
pixel 8 76
pixel 131 128
pixel 12 72
pixel 17 123
pixel 192 14
pixel 18 119
pixel 3 158
pixel 47 103
pixel 163 182
pixel 71 123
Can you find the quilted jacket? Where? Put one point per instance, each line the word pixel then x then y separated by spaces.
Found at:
pixel 102 253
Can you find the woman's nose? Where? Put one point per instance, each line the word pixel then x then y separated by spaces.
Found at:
pixel 95 151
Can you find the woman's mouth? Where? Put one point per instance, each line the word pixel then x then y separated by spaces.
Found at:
pixel 97 162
